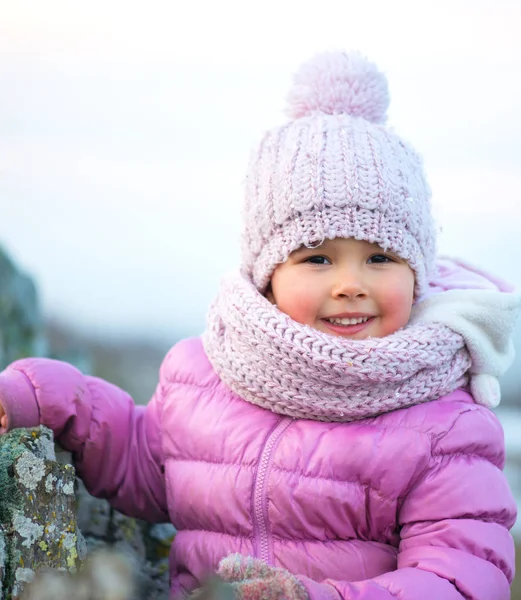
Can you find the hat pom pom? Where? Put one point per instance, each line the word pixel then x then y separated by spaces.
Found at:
pixel 339 83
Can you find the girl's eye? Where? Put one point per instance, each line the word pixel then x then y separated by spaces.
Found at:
pixel 317 260
pixel 379 259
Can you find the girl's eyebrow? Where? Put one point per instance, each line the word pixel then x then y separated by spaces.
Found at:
pixel 306 250
pixel 393 254
pixel 298 251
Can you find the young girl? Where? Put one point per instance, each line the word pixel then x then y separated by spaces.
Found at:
pixel 330 436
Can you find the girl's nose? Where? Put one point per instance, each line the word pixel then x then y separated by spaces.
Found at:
pixel 349 285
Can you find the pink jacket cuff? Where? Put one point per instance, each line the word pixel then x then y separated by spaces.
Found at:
pixel 19 400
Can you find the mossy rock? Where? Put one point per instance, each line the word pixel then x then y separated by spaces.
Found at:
pixel 37 509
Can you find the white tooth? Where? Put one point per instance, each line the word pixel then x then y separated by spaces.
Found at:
pixel 347 321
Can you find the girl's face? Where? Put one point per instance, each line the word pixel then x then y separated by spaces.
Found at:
pixel 345 287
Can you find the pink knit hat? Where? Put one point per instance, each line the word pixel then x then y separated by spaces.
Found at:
pixel 335 170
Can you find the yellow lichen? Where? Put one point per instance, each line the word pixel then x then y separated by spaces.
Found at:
pixel 43 545
pixel 71 559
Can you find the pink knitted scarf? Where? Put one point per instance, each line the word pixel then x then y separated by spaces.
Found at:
pixel 274 362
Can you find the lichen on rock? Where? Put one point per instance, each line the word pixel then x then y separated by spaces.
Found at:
pixel 29 531
pixel 37 511
pixel 30 469
pixel 42 508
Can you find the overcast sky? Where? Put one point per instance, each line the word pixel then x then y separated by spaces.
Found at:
pixel 125 130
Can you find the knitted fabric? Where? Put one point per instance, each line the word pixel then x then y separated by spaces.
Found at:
pixel 336 171
pixel 247 578
pixel 274 362
pixel 252 579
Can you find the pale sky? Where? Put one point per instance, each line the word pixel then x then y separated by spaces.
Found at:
pixel 125 129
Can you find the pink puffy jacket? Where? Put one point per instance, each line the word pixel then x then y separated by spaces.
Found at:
pixel 411 504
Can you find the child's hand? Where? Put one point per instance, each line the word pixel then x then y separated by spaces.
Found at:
pixel 3 418
pixel 247 578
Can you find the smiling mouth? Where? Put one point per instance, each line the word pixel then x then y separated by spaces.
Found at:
pixel 348 325
pixel 347 321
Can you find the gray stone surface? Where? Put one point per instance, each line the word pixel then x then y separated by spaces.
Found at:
pixel 145 546
pixel 50 523
pixel 37 509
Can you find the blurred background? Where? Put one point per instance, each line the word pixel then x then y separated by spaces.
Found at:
pixel 125 130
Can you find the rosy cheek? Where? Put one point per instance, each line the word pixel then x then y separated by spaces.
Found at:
pixel 399 304
pixel 296 301
pixel 301 311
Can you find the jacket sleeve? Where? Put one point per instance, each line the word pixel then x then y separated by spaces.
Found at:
pixel 455 541
pixel 116 445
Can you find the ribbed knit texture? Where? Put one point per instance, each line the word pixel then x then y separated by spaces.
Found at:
pixel 336 171
pixel 274 362
pixel 252 579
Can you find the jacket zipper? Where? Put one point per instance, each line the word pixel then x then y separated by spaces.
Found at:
pixel 260 498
